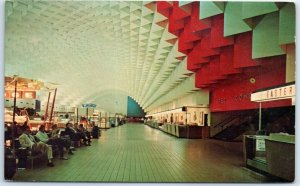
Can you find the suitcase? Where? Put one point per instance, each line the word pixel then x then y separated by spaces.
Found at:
pixel 96 132
pixel 10 165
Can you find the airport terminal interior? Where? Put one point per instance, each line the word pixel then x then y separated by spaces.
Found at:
pixel 149 91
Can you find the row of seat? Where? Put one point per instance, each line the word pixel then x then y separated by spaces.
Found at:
pixel 24 154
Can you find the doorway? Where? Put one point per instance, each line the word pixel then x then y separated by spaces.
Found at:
pixel 205 119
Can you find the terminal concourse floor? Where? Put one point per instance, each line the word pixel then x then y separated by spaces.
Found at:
pixel 138 153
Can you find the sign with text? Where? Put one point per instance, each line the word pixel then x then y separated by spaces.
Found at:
pixel 260 143
pixel 18 94
pixel 285 92
pixel 28 95
pixel 89 105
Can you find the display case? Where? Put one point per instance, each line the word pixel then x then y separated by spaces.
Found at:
pixel 61 122
pixel 183 122
pixel 95 119
pixel 104 123
pixel 8 117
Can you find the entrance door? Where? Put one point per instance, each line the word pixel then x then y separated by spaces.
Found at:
pixel 205 119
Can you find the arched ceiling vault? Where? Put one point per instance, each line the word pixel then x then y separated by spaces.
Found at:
pixel 92 47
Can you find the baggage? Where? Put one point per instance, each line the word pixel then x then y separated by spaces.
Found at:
pixel 96 132
pixel 10 165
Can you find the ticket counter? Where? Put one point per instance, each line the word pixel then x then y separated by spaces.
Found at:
pixel 185 122
pixel 274 154
pixel 280 152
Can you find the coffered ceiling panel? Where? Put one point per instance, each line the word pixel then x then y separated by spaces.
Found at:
pixel 89 47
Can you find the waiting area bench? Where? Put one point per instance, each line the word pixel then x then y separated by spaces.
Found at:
pixel 25 154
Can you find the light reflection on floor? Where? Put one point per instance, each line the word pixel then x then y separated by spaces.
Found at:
pixel 138 153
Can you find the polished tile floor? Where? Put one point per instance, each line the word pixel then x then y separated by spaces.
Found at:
pixel 138 153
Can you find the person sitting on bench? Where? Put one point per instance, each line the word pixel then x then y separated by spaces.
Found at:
pixel 85 133
pixel 95 130
pixel 75 135
pixel 27 140
pixel 43 136
pixel 56 133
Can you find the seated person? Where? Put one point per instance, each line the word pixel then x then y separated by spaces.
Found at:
pixel 43 136
pixel 8 132
pixel 95 130
pixel 55 133
pixel 28 141
pixel 86 134
pixel 75 135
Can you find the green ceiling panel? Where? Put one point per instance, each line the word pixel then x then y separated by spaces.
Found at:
pixel 252 9
pixel 265 37
pixel 233 22
pixel 208 8
pixel 287 21
pixel 181 3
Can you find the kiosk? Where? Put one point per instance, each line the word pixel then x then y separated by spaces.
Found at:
pixel 273 154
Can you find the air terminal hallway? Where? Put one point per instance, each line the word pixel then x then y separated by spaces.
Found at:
pixel 138 153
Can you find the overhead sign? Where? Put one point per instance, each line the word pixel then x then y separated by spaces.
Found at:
pixel 89 105
pixel 20 94
pixel 6 94
pixel 29 94
pixel 284 92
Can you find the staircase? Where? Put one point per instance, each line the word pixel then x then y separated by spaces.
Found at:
pixel 234 125
pixel 231 126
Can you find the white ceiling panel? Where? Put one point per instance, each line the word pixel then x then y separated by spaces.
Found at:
pixel 90 48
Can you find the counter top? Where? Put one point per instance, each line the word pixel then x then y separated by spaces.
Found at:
pixel 282 137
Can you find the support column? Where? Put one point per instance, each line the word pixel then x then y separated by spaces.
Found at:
pixel 77 115
pixel 14 120
pixel 52 108
pixel 46 112
pixel 259 121
pixel 87 116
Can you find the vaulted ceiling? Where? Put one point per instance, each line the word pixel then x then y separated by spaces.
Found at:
pixel 93 48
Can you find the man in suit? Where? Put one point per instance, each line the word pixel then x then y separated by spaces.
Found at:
pixel 56 133
pixel 75 135
pixel 28 141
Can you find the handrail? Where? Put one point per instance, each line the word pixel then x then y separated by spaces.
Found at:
pixel 228 121
pixel 225 121
pixel 232 123
pixel 241 121
pixel 237 116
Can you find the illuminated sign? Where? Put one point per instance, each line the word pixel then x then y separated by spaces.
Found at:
pixel 7 94
pixel 89 105
pixel 29 95
pixel 285 92
pixel 18 94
